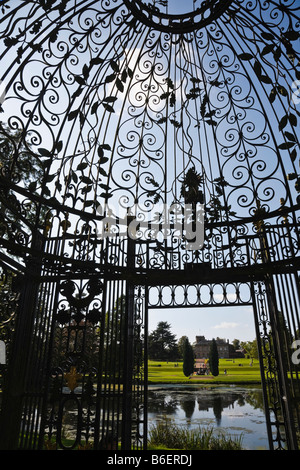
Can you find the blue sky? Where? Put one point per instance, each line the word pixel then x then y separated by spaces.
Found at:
pixel 229 322
pixel 225 322
pixel 179 6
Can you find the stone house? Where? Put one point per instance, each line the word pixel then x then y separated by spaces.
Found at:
pixel 202 347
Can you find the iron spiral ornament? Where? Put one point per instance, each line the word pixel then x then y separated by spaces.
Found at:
pixel 113 110
pixel 123 113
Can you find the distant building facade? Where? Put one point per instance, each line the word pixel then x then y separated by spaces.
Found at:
pixel 225 350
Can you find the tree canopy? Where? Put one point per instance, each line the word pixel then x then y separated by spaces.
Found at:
pixel 162 343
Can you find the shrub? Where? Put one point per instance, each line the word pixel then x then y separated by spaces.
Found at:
pixel 169 435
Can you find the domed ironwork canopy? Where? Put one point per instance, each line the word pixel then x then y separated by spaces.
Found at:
pixel 145 145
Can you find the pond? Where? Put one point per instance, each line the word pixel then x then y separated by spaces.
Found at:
pixel 235 410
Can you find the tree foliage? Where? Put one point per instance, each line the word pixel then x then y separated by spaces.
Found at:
pixel 180 345
pixel 162 344
pixel 250 348
pixel 214 359
pixel 188 358
pixel 22 168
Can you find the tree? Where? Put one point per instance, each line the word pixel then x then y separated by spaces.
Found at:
pixel 19 166
pixel 162 343
pixel 188 358
pixel 18 160
pixel 250 348
pixel 180 345
pixel 236 344
pixel 214 359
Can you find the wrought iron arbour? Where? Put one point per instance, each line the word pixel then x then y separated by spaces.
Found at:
pixel 113 113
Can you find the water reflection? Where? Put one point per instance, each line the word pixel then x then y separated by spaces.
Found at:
pixel 233 409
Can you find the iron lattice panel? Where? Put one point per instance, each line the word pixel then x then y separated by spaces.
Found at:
pixel 115 107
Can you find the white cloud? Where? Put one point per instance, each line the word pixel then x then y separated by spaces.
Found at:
pixel 226 325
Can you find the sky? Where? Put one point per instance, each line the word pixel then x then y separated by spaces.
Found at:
pixel 178 6
pixel 227 322
pixel 224 322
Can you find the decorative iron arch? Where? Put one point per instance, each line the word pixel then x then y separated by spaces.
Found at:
pixel 123 114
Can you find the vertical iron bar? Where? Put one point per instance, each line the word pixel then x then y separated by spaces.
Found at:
pixel 100 385
pixel 261 365
pixel 146 320
pixel 129 340
pixel 19 372
pixel 285 398
pixel 282 376
pixel 100 371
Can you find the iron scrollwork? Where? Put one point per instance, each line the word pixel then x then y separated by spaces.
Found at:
pixel 114 107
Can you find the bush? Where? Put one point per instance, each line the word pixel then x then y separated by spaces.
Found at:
pixel 169 435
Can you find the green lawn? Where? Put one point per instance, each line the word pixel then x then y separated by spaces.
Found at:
pixel 166 372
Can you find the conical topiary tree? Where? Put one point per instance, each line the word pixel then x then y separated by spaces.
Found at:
pixel 214 359
pixel 188 358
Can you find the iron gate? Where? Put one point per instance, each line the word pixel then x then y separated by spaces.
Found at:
pixel 80 360
pixel 85 350
pixel 138 108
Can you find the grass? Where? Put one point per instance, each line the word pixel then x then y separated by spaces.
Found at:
pixel 166 372
pixel 167 435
